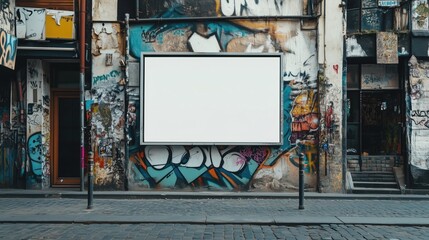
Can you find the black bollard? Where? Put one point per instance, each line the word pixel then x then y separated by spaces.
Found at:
pixel 301 181
pixel 90 179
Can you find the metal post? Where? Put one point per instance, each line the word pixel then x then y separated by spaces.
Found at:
pixel 90 178
pixel 301 181
pixel 82 131
pixel 82 51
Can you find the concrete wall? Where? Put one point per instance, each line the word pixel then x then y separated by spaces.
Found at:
pixel 332 79
pixel 38 125
pixel 418 121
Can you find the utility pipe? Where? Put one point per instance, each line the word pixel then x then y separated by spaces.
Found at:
pixel 82 28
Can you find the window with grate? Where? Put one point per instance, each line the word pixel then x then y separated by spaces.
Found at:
pixel 366 16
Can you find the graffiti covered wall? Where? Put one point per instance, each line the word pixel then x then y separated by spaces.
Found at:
pixel 38 125
pixel 107 106
pixel 418 120
pixel 6 136
pixel 8 41
pixel 12 130
pixel 233 167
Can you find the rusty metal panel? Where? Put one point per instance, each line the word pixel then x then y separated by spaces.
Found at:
pixel 387 48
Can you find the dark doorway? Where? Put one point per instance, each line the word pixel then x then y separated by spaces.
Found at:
pixel 66 138
pixel 381 123
pixel 375 115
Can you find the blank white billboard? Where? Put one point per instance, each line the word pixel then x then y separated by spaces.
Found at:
pixel 211 99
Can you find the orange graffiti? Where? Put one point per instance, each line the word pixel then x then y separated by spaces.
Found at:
pixel 232 182
pixel 213 173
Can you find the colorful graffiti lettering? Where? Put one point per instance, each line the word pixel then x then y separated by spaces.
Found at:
pixel 8 46
pixel 113 74
pixel 163 166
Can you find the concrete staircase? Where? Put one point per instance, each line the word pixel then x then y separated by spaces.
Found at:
pixel 374 183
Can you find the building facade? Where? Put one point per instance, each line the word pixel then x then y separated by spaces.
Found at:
pixel 353 95
pixel 386 57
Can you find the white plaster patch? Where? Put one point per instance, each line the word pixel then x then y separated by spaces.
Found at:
pixel 202 44
pixel 353 48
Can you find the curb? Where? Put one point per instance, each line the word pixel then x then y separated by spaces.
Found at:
pixel 203 195
pixel 215 220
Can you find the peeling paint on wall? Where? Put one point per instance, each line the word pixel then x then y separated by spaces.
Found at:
pixel 107 106
pixel 418 128
pixel 105 10
pixel 420 15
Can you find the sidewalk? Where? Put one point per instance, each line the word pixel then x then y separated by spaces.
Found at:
pixel 117 207
pixel 154 194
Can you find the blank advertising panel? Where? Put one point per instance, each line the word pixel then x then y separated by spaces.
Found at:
pixel 211 99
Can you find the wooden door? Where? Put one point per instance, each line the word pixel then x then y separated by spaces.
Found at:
pixel 65 135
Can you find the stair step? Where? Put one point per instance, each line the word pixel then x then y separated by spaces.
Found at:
pixel 366 184
pixel 372 174
pixel 373 179
pixel 360 190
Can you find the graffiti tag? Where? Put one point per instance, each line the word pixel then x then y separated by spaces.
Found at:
pixel 7 49
pixel 105 77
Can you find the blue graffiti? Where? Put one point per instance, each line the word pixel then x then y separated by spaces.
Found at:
pixel 144 37
pixel 35 153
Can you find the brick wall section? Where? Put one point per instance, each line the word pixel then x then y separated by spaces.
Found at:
pixel 374 163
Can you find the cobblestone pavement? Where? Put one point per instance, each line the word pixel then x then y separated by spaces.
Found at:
pixel 240 218
pixel 207 207
pixel 215 232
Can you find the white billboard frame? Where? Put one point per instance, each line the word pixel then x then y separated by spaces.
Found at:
pixel 211 99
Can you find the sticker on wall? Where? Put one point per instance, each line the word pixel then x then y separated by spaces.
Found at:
pixel 106 146
pixel 30 23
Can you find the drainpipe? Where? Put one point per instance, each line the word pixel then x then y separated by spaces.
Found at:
pixel 127 126
pixel 82 22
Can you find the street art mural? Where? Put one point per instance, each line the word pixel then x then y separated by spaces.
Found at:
pixel 418 120
pixel 228 8
pixel 234 167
